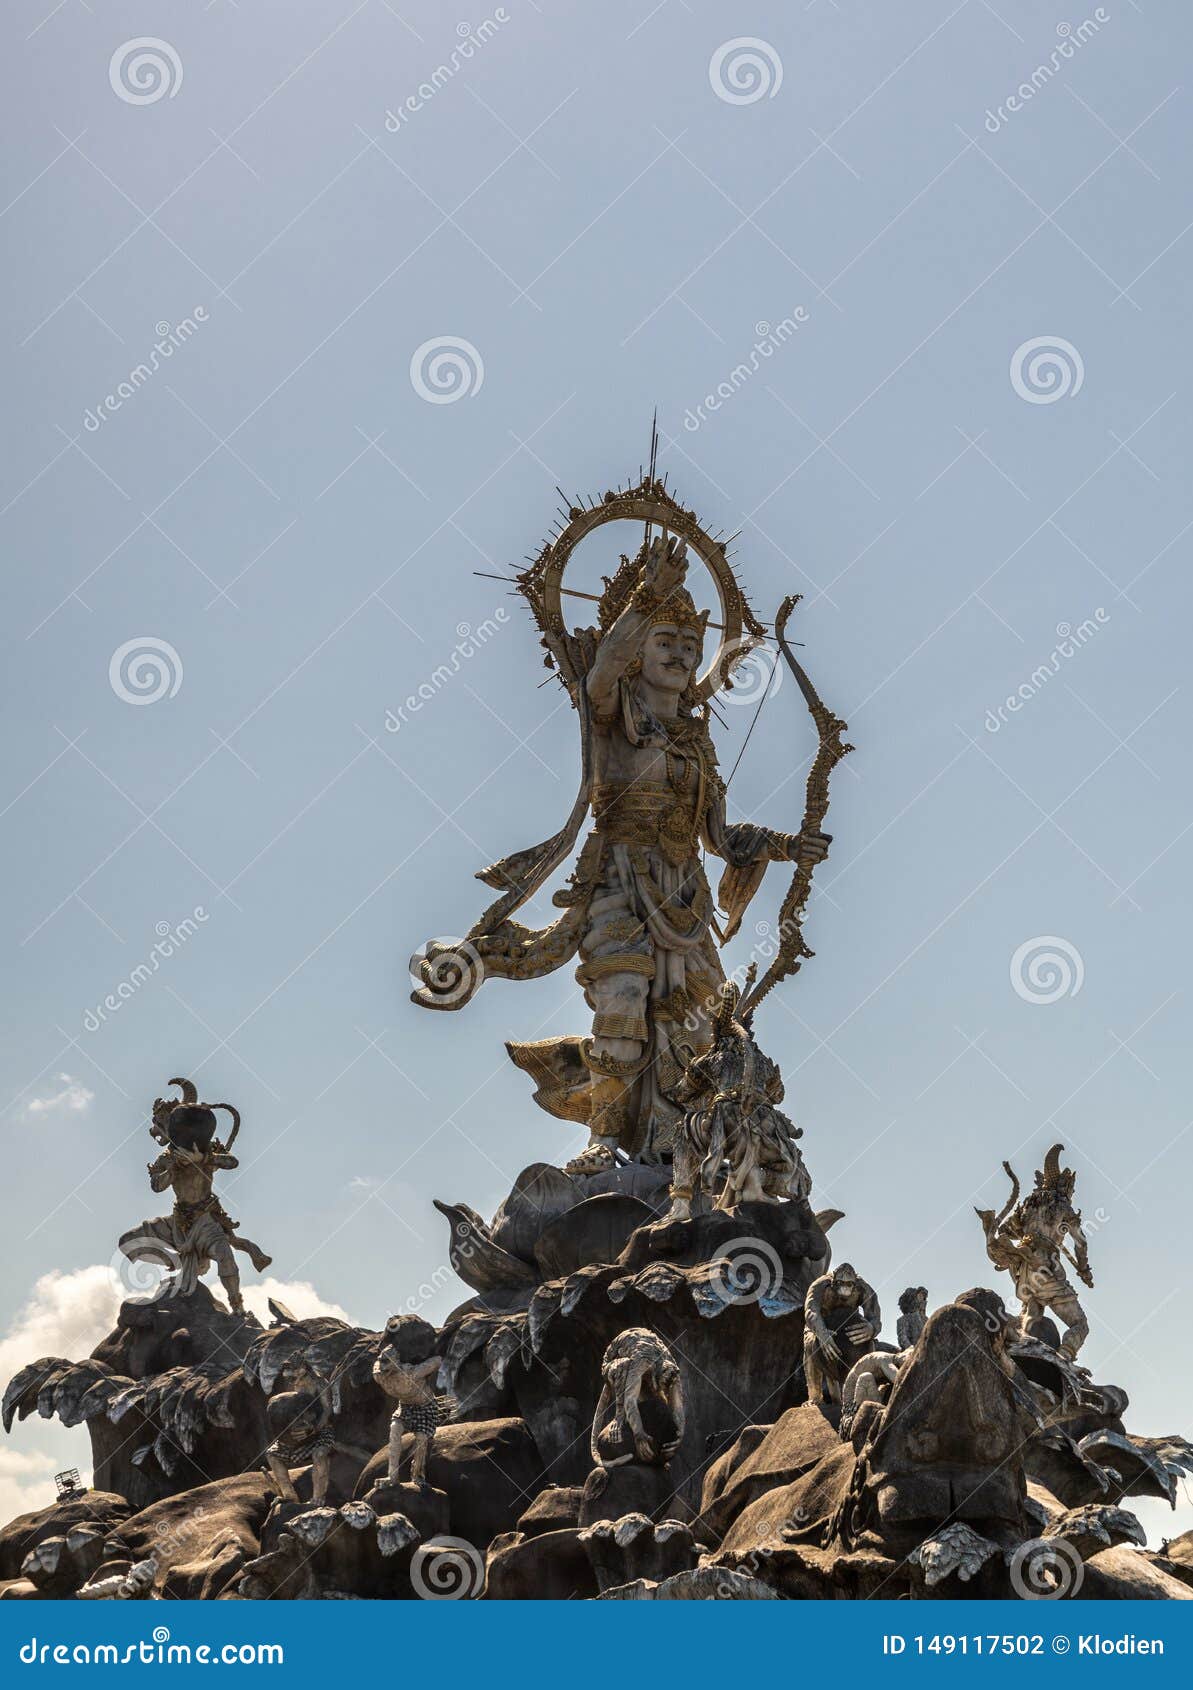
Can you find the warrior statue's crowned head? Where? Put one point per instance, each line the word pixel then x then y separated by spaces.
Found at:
pixel 671 652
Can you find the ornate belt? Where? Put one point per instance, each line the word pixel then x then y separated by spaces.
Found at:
pixel 646 813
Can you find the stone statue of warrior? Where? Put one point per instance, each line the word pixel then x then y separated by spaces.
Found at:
pixel 638 909
pixel 1033 1240
pixel 199 1230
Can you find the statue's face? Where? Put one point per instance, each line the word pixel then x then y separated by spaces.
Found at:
pixel 669 657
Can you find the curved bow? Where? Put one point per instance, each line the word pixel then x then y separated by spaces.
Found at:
pixel 792 946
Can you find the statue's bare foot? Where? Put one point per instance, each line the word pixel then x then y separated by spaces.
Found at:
pixel 260 1260
pixel 595 1159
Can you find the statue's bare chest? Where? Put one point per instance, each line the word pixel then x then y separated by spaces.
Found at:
pixel 616 760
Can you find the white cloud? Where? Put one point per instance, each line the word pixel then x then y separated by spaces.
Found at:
pixel 67 1315
pixel 72 1099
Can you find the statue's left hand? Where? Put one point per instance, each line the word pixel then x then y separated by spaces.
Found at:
pixel 859 1332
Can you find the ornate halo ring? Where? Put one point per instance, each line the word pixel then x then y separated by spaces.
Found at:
pixel 650 504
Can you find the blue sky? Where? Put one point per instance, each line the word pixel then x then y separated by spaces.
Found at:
pixel 581 208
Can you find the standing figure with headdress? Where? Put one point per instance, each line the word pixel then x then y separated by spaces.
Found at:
pixel 638 908
pixel 199 1230
pixel 1030 1241
pixel 735 1144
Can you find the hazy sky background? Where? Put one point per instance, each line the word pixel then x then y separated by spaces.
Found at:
pixel 280 505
